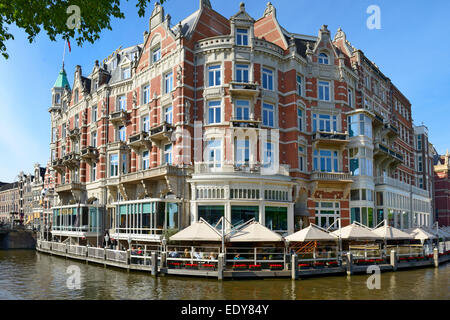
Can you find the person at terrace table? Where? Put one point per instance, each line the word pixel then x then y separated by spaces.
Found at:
pixel 186 253
pixel 198 255
pixel 212 256
pixel 139 251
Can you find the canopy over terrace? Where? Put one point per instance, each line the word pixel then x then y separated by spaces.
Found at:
pixel 391 233
pixel 198 231
pixel 254 232
pixel 356 232
pixel 421 234
pixel 311 233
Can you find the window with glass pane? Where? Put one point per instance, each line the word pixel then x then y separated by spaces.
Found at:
pixel 114 165
pixel 242 73
pixel 242 151
pixel 146 94
pixel 146 124
pixel 267 79
pixel 168 154
pixel 323 58
pixel 122 104
pixel 299 85
pixel 76 121
pixel 326 161
pixel 168 82
pixel 156 54
pixel 350 98
pixel 241 214
pixel 214 153
pixel 93 171
pixel 214 112
pixel 214 76
pixel 94 139
pixel 276 218
pixel 355 215
pixel 124 164
pixel 242 110
pixel 324 123
pixel 242 37
pixel 324 90
pixel 122 133
pixel 126 73
pixel 94 114
pixel 168 115
pixel 326 214
pixel 268 115
pixel 301 158
pixel 268 154
pixel 145 160
pixel 211 214
pixel 300 119
pixel 360 125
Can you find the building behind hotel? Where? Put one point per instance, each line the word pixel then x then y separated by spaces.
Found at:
pixel 442 189
pixel 236 118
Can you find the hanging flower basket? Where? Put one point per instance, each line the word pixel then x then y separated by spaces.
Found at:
pixel 379 261
pixel 275 267
pixel 332 263
pixel 239 267
pixel 174 265
pixel 255 267
pixel 208 266
pixel 319 265
pixel 304 266
pixel 192 266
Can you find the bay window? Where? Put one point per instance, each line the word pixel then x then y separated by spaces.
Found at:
pixel 242 73
pixel 324 123
pixel 214 112
pixel 360 125
pixel 326 161
pixel 242 151
pixel 214 155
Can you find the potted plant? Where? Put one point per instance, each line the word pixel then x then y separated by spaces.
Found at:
pixel 319 265
pixel 304 266
pixel 255 267
pixel 174 265
pixel 379 261
pixel 209 266
pixel 331 264
pixel 192 266
pixel 239 267
pixel 275 267
pixel 404 259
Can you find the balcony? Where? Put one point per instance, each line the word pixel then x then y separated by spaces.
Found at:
pixel 384 153
pixel 390 130
pixel 74 134
pixel 340 177
pixel 232 168
pixel 391 182
pixel 250 123
pixel 71 160
pixel 118 118
pixel 161 133
pixel 139 141
pixel 89 154
pixel 244 89
pixel 330 139
pixel 58 165
pixel 69 187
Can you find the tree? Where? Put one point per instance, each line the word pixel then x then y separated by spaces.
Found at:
pixel 82 20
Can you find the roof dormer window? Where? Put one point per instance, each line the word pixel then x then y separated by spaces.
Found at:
pixel 156 54
pixel 242 37
pixel 126 74
pixel 323 58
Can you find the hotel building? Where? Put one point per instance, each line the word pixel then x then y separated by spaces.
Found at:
pixel 236 118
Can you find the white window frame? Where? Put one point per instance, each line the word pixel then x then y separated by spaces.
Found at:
pixel 242 108
pixel 121 103
pixel 242 36
pixel 324 88
pixel 267 76
pixel 216 115
pixel 145 164
pixel 302 158
pixel 214 75
pixel 145 94
pixel 168 154
pixel 214 153
pixel 267 110
pixel 243 70
pixel 300 85
pixel 324 58
pixel 168 114
pixel 168 82
pixel 113 172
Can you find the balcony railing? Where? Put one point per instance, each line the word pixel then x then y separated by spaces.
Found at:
pixel 330 139
pixel 118 117
pixel 58 165
pixel 382 149
pixel 231 167
pixel 139 141
pixel 331 176
pixel 74 133
pixel 89 153
pixel 249 123
pixel 71 160
pixel 244 88
pixel 400 185
pixel 71 186
pixel 161 132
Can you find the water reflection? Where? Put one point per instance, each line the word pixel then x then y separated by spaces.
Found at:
pixel 30 275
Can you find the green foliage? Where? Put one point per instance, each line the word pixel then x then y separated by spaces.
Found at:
pixel 33 16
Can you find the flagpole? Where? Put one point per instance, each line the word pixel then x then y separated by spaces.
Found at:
pixel 64 54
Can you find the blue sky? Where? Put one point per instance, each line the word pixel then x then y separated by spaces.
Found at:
pixel 412 49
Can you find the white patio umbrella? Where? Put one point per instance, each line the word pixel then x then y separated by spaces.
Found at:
pixel 356 232
pixel 391 233
pixel 198 231
pixel 421 234
pixel 254 232
pixel 311 233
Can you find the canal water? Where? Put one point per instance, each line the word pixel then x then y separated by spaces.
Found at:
pixel 26 274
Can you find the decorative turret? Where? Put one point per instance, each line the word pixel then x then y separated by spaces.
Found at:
pixel 60 85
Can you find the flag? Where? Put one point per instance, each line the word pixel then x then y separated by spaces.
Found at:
pixel 68 43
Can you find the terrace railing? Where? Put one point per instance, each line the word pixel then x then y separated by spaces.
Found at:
pixel 117 256
pixel 197 258
pixel 59 247
pixel 98 253
pixel 256 258
pixel 77 250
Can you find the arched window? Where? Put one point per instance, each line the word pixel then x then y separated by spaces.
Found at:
pixel 323 58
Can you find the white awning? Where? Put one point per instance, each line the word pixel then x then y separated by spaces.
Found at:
pixel 254 232
pixel 356 232
pixel 198 231
pixel 311 233
pixel 391 233
pixel 421 234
